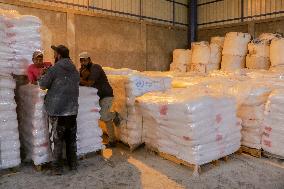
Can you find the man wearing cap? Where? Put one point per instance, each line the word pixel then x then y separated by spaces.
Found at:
pixel 61 103
pixel 38 67
pixel 93 75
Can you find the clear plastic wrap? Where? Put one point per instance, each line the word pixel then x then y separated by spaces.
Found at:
pixel 190 124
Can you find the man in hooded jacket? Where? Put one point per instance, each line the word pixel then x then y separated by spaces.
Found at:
pixel 61 103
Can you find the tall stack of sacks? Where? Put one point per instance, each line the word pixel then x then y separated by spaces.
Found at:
pixel 235 51
pixel 33 124
pixel 190 124
pixel 258 56
pixel 273 131
pixel 24 36
pixel 181 60
pixel 9 134
pixel 89 134
pixel 268 37
pixel 205 57
pixel 137 85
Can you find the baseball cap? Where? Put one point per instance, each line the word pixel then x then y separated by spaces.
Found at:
pixel 62 50
pixel 37 54
pixel 84 55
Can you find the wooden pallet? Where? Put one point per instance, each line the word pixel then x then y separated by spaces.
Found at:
pixel 42 167
pixel 9 171
pixel 196 168
pixel 250 151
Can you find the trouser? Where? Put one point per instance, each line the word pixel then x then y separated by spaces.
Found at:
pixel 63 129
pixel 107 116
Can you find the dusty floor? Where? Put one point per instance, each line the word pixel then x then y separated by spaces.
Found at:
pixel 144 170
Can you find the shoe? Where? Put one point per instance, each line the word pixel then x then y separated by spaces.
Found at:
pixel 111 145
pixel 117 119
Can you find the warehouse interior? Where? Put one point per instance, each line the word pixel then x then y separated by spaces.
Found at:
pixel 197 86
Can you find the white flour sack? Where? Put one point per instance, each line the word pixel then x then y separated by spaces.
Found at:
pixel 9 134
pixel 218 41
pixel 33 125
pixel 273 136
pixel 276 51
pixel 200 52
pixel 232 63
pixel 236 44
pixel 190 124
pixel 122 71
pixel 181 60
pixel 268 37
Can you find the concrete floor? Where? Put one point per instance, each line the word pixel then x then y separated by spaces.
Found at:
pixel 144 170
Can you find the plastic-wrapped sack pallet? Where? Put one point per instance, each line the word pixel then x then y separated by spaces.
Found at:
pixel 181 60
pixel 89 134
pixel 190 124
pixel 234 51
pixel 33 124
pixel 125 89
pixel 273 131
pixel 258 57
pixel 9 134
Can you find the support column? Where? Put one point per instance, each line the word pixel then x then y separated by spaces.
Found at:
pixel 192 27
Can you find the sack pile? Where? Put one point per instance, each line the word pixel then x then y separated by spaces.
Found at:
pixel 258 57
pixel 181 60
pixel 273 134
pixel 235 51
pixel 276 50
pixel 89 134
pixel 33 124
pixel 137 85
pixel 218 41
pixel 9 134
pixel 190 124
pixel 205 57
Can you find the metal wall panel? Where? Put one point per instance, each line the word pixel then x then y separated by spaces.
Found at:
pixel 216 12
pixel 170 12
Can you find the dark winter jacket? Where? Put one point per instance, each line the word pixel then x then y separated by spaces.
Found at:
pixel 62 81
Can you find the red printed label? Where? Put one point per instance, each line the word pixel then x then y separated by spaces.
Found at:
pixel 94 110
pixel 269 129
pixel 219 137
pixel 267 143
pixel 266 134
pixel 218 118
pixel 164 110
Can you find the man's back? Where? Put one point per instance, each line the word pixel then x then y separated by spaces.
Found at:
pixel 62 82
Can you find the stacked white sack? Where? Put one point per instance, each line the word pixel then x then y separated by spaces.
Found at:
pixel 276 51
pixel 181 60
pixel 137 85
pixel 258 57
pixel 9 134
pixel 24 36
pixel 33 124
pixel 268 37
pixel 190 124
pixel 273 134
pixel 205 57
pixel 235 51
pixel 89 134
pixel 6 52
pixel 218 41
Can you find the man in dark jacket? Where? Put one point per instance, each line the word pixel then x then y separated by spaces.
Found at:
pixel 93 75
pixel 61 103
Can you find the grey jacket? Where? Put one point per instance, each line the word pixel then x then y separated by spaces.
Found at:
pixel 62 81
